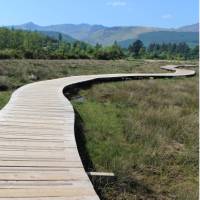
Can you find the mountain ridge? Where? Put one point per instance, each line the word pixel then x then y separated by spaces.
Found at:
pixel 106 35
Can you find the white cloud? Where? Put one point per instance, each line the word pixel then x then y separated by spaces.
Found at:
pixel 167 16
pixel 116 3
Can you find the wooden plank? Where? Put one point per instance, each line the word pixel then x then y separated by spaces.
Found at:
pixel 42 176
pixel 30 163
pixel 38 144
pixel 23 184
pixel 100 174
pixel 88 197
pixel 46 192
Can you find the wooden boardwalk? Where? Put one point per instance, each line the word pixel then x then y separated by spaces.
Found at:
pixel 39 159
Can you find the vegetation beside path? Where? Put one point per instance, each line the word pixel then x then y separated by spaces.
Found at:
pixel 146 132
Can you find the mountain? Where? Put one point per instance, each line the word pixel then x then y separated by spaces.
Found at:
pixel 191 38
pixel 122 34
pixel 190 28
pixel 92 33
pixel 30 26
pixel 109 35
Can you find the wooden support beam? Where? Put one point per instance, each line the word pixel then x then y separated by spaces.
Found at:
pixel 106 174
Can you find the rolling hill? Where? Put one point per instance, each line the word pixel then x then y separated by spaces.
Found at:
pixel 190 28
pixel 123 35
pixel 30 26
pixel 55 35
pixel 191 38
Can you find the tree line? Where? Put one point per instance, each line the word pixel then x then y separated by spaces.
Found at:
pixel 33 45
pixel 163 51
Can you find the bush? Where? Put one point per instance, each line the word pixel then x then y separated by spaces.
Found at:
pixel 28 54
pixel 10 53
pixel 4 83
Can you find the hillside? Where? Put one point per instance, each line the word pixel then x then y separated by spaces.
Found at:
pixel 22 44
pixel 91 33
pixel 52 45
pixel 30 26
pixel 55 35
pixel 191 38
pixel 190 28
pixel 107 35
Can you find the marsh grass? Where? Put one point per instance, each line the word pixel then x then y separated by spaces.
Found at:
pixel 146 132
pixel 15 73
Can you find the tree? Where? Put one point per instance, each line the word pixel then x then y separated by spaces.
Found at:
pixel 183 49
pixel 98 46
pixel 135 47
pixel 60 37
pixel 34 45
pixel 142 52
pixel 195 52
pixel 116 51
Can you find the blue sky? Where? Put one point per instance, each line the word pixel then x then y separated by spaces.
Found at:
pixel 162 13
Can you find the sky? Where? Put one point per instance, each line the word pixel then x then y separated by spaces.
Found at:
pixel 157 13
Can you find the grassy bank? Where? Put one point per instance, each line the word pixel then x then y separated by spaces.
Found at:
pixel 146 132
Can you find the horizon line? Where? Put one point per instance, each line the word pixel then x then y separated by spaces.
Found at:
pixel 84 23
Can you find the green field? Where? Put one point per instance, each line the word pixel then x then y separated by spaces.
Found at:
pixel 145 131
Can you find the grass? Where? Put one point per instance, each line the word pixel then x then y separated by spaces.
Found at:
pixel 4 97
pixel 146 132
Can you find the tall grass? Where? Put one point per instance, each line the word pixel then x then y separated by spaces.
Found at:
pixel 146 132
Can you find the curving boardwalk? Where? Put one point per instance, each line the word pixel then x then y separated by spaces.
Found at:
pixel 39 159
